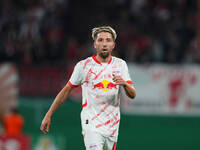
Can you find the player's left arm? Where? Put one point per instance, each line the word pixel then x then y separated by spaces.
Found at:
pixel 128 87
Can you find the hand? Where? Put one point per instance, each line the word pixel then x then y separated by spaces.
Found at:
pixel 118 80
pixel 45 124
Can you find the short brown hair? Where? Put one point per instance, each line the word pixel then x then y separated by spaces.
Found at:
pixel 109 29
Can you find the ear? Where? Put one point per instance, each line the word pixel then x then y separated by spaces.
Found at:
pixel 114 45
pixel 94 45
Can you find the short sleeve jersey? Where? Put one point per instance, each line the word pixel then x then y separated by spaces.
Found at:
pixel 100 95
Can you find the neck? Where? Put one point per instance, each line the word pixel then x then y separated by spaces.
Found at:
pixel 103 60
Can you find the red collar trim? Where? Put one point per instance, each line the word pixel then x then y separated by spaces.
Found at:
pixel 94 57
pixel 110 60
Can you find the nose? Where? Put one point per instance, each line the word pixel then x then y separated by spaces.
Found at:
pixel 104 44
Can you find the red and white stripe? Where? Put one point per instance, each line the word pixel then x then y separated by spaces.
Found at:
pixel 8 86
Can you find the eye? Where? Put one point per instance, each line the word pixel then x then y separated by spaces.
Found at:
pixel 109 40
pixel 100 39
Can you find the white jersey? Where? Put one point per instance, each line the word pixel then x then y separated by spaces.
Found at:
pixel 100 95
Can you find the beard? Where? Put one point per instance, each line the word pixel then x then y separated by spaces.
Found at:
pixel 104 55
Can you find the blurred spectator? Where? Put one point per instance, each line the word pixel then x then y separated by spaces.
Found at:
pixel 72 50
pixel 54 44
pixel 13 123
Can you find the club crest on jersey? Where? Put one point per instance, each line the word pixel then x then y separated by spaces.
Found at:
pixel 105 85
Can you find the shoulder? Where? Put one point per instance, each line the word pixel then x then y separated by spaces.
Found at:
pixel 118 60
pixel 86 60
pixel 83 63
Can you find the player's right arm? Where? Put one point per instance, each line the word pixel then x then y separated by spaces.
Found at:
pixel 75 80
pixel 59 100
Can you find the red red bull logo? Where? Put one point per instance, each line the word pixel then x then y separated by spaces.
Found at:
pixel 105 85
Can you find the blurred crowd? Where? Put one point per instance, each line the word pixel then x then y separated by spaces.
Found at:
pixel 58 32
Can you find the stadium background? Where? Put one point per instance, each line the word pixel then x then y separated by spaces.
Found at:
pixel 41 40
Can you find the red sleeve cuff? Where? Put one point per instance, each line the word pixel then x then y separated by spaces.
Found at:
pixel 72 85
pixel 129 82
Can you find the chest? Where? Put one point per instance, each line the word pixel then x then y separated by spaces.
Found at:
pixel 96 72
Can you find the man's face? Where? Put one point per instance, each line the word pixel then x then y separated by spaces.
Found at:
pixel 104 44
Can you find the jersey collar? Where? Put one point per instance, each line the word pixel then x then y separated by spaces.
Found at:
pixel 94 58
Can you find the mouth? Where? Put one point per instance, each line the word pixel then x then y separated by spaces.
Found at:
pixel 104 50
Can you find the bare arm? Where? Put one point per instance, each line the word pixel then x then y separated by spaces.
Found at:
pixel 129 89
pixel 59 100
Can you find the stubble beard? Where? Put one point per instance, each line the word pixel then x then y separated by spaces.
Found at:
pixel 104 55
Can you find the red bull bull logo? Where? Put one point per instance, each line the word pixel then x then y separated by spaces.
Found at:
pixel 105 85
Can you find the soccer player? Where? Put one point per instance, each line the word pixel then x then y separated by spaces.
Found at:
pixel 101 77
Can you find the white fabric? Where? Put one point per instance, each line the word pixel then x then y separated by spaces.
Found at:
pixel 100 95
pixel 96 141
